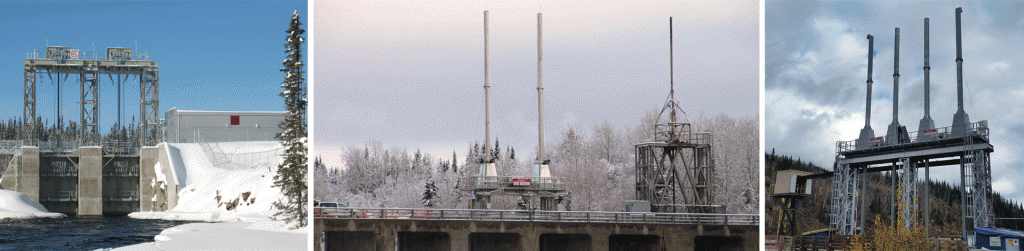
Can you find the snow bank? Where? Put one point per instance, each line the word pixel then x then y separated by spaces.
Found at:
pixel 239 196
pixel 16 205
pixel 224 193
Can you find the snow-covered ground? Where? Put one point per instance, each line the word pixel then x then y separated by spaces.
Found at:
pixel 16 205
pixel 235 196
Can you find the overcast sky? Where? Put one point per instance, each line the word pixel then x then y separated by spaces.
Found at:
pixel 816 67
pixel 411 74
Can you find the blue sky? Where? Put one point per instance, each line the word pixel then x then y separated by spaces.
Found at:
pixel 212 55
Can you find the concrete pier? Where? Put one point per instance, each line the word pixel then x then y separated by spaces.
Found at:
pixel 30 172
pixel 148 157
pixel 90 181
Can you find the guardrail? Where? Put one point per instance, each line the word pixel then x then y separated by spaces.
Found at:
pixel 59 146
pixel 971 130
pixel 61 196
pixel 122 196
pixel 10 146
pixel 536 216
pixel 120 147
pixel 82 55
pixel 511 182
pixel 681 132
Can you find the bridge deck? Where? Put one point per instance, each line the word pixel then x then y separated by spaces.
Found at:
pixel 463 229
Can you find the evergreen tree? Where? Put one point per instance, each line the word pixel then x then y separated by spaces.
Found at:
pixel 496 152
pixel 429 194
pixel 291 173
pixel 455 163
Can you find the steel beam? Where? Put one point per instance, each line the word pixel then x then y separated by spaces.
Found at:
pixel 149 107
pixel 29 110
pixel 89 112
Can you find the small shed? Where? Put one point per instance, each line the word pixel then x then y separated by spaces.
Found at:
pixel 791 181
pixel 992 238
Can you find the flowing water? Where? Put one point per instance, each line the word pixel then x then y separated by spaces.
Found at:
pixel 78 233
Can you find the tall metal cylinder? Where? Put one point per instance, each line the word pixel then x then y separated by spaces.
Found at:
pixel 959 65
pixel 487 93
pixel 540 91
pixel 671 73
pixel 871 59
pixel 927 70
pixel 896 80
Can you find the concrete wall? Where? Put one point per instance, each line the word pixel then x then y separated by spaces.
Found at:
pixel 148 156
pixel 30 172
pixel 170 195
pixel 9 180
pixel 462 233
pixel 90 180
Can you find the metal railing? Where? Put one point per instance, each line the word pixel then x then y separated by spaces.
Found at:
pixel 539 216
pixel 131 170
pixel 978 129
pixel 680 132
pixel 59 146
pixel 501 182
pixel 10 146
pixel 63 171
pixel 121 196
pixel 82 55
pixel 124 147
pixel 61 196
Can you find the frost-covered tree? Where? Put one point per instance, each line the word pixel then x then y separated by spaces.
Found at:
pixel 597 167
pixel 321 181
pixel 291 173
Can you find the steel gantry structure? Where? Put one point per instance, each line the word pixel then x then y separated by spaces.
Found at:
pixel 676 147
pixel 89 67
pixel 901 153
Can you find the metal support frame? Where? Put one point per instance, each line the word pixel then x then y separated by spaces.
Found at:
pixel 658 163
pixel 907 205
pixel 89 114
pixel 29 109
pixel 976 171
pixel 657 172
pixel 149 107
pixel 89 68
pixel 788 203
pixel 970 151
pixel 844 199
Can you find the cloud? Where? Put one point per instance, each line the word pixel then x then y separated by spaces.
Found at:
pixel 815 77
pixel 404 73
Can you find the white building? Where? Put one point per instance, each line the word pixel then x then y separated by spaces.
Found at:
pixel 181 126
